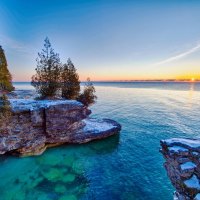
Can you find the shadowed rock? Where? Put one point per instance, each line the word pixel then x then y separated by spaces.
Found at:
pixel 183 166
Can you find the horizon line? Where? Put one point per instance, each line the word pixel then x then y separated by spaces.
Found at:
pixel 142 80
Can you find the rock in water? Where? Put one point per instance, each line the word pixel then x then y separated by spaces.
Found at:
pixel 95 129
pixel 183 166
pixel 36 125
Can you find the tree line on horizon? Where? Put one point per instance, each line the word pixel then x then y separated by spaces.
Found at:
pixel 53 80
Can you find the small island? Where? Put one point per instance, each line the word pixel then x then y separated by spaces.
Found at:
pixel 58 113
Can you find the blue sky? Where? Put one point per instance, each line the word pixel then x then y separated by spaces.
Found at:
pixel 106 39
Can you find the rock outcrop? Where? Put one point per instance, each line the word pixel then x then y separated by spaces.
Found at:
pixel 36 125
pixel 183 166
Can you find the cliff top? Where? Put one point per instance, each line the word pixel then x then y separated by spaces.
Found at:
pixel 182 142
pixel 19 105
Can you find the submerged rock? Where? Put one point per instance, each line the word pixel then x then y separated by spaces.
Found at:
pixel 36 125
pixel 53 174
pixel 68 178
pixel 68 197
pixel 182 164
pixel 60 188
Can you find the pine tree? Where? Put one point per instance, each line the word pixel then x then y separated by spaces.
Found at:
pixel 70 81
pixel 88 97
pixel 5 76
pixel 47 77
pixel 5 109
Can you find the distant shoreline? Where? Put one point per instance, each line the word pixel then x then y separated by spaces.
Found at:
pixel 134 81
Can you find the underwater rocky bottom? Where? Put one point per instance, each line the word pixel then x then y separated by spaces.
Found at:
pixel 58 174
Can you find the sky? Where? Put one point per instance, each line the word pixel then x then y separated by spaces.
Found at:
pixel 105 39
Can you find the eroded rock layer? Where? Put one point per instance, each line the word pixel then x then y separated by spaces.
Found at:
pixel 35 125
pixel 183 166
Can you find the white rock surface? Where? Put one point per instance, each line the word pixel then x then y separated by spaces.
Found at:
pixel 97 125
pixel 188 165
pixel 187 142
pixel 177 149
pixel 197 197
pixel 30 104
pixel 193 182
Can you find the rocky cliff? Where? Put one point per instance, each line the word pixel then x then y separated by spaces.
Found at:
pixel 36 125
pixel 183 166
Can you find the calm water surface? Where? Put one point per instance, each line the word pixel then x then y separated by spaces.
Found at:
pixel 124 167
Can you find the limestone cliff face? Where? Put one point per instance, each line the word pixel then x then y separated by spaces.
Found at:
pixel 183 166
pixel 36 125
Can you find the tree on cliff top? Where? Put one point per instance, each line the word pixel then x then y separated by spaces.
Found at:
pixel 47 78
pixel 70 81
pixel 54 79
pixel 88 97
pixel 5 76
pixel 5 109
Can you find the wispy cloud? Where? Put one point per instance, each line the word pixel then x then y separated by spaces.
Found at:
pixel 12 44
pixel 179 56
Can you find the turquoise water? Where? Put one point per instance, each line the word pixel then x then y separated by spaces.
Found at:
pixel 124 167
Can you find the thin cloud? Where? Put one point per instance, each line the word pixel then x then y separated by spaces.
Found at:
pixel 179 56
pixel 13 44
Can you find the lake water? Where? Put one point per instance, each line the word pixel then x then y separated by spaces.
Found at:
pixel 124 167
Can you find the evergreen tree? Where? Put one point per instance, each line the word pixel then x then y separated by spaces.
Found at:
pixel 5 76
pixel 47 77
pixel 5 109
pixel 70 81
pixel 88 97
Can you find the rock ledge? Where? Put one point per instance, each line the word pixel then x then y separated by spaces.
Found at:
pixel 36 125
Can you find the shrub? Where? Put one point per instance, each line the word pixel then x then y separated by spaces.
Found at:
pixel 70 81
pixel 88 97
